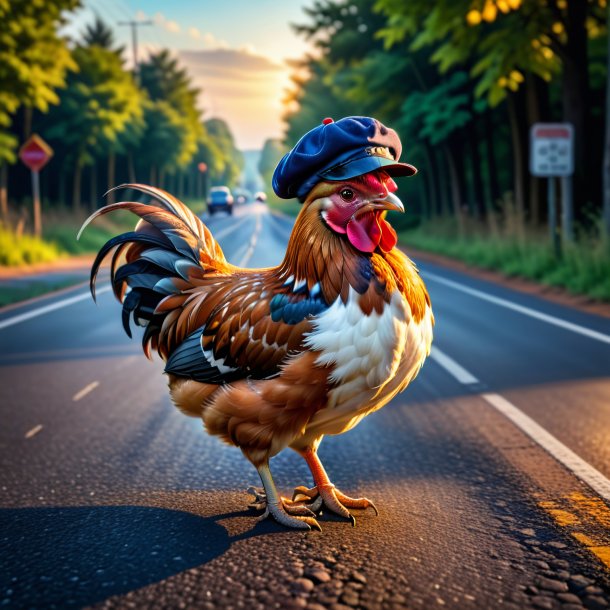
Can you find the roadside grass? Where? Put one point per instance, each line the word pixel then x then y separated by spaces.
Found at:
pixel 60 229
pixel 19 250
pixel 583 268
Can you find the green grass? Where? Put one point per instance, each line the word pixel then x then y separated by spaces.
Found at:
pixel 18 250
pixel 584 267
pixel 59 238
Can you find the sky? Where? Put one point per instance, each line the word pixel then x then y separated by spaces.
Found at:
pixel 237 52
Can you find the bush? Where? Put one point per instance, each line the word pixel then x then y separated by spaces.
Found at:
pixel 583 268
pixel 17 250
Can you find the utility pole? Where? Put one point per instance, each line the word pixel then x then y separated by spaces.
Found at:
pixel 134 43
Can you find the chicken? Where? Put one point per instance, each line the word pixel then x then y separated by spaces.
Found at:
pixel 280 357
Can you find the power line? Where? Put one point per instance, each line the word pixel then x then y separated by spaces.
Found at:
pixel 134 41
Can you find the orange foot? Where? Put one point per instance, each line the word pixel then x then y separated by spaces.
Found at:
pixel 329 496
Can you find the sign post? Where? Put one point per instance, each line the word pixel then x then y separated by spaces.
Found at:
pixel 36 153
pixel 552 156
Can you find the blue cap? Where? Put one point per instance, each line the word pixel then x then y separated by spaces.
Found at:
pixel 339 150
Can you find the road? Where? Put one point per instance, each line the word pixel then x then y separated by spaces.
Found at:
pixel 490 472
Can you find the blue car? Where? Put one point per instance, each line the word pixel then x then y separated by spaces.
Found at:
pixel 220 200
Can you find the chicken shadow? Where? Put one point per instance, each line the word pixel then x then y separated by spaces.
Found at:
pixel 69 557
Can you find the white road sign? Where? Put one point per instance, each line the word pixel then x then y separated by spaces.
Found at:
pixel 552 149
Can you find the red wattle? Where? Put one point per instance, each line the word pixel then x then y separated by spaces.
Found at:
pixel 388 236
pixel 364 232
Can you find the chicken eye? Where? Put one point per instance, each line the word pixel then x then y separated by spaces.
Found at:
pixel 347 194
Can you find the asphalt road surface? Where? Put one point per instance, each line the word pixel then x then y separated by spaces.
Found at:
pixel 490 472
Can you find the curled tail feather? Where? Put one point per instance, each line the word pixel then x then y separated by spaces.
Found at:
pixel 154 262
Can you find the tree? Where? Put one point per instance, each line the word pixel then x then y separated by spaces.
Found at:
pixel 34 60
pixel 606 166
pixel 232 159
pixel 100 35
pixel 508 39
pixel 172 96
pixel 101 100
pixel 273 151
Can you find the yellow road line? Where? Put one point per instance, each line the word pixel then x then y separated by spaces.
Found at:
pixel 587 520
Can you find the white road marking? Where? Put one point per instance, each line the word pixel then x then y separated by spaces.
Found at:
pixel 248 255
pixel 33 432
pixel 230 229
pixel 565 456
pixel 582 330
pixel 34 313
pixel 86 390
pixel 583 470
pixel 452 367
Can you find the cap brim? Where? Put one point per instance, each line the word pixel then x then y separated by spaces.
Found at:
pixel 364 165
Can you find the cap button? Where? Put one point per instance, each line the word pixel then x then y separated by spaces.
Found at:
pixel 327 121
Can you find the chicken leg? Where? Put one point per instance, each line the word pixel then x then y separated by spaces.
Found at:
pixel 325 493
pixel 296 516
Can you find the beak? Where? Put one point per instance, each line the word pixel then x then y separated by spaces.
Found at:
pixel 391 202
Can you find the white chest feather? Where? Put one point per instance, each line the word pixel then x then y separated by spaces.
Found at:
pixel 373 358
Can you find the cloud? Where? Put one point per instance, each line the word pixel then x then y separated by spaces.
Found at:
pixel 233 61
pixel 167 24
pixel 244 88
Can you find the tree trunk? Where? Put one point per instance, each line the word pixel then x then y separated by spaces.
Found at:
pixel 490 154
pixel 533 116
pixel 4 191
pixel 444 188
pixel 430 207
pixel 456 191
pixel 111 176
pixel 518 162
pixel 27 122
pixel 575 97
pixel 181 185
pixel 161 178
pixel 61 188
pixel 93 204
pixel 477 181
pixel 78 170
pixel 606 166
pixel 131 168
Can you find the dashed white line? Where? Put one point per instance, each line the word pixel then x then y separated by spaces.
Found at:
pixel 33 432
pixel 34 313
pixel 229 230
pixel 577 328
pixel 248 255
pixel 452 367
pixel 86 390
pixel 575 464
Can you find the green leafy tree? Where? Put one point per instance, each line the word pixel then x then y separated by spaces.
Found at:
pixel 99 34
pixel 273 151
pixel 503 42
pixel 34 60
pixel 166 82
pixel 231 158
pixel 101 100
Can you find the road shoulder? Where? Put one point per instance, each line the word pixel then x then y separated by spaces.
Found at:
pixel 550 293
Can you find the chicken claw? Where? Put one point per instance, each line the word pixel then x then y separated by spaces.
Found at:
pixel 334 500
pixel 325 493
pixel 281 509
